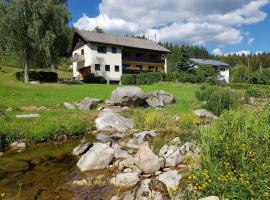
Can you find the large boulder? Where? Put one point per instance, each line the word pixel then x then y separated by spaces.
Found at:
pixel 69 106
pixel 97 157
pixel 171 179
pixel 144 192
pixel 146 160
pixel 159 98
pixel 125 180
pixel 128 96
pixel 111 121
pixel 88 103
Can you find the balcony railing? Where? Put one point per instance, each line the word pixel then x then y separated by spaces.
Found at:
pixel 143 59
pixel 77 58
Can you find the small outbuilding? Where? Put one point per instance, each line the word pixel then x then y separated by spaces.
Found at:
pixel 221 67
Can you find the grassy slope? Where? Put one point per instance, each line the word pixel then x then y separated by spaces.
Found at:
pixel 15 94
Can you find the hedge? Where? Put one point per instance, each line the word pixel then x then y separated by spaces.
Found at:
pixel 92 78
pixel 142 79
pixel 48 77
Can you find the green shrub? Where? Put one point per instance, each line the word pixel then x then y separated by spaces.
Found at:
pixel 255 92
pixel 64 64
pixel 92 78
pixel 238 74
pixel 206 74
pixel 128 79
pixel 235 157
pixel 218 99
pixel 172 77
pixel 47 77
pixel 260 77
pixel 184 77
pixel 149 78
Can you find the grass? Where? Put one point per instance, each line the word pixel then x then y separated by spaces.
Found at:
pixel 57 121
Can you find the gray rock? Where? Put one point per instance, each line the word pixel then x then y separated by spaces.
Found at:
pixel 154 102
pixel 18 146
pixel 110 121
pixel 97 157
pixel 81 149
pixel 210 198
pixel 174 153
pixel 171 154
pixel 204 113
pixel 120 153
pixel 146 160
pixel 138 139
pixel 88 103
pixel 28 116
pixel 159 98
pixel 69 106
pixel 125 180
pixel 103 137
pixel 144 192
pixel 170 178
pixel 128 96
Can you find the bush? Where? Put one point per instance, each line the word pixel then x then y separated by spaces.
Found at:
pixel 255 92
pixel 92 78
pixel 206 74
pixel 235 157
pixel 260 77
pixel 64 64
pixel 218 99
pixel 238 74
pixel 172 77
pixel 149 78
pixel 184 77
pixel 47 77
pixel 128 79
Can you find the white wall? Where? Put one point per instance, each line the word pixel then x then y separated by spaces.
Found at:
pixel 92 57
pixel 108 58
pixel 224 75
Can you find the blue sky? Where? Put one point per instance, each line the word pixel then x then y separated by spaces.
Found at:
pixel 224 25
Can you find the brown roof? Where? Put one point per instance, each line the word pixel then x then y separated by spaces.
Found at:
pixel 104 38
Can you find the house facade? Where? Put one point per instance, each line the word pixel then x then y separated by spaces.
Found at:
pixel 111 56
pixel 221 68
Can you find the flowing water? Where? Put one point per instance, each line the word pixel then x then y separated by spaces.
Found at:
pixel 47 172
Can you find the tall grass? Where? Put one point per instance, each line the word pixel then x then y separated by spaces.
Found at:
pixel 235 157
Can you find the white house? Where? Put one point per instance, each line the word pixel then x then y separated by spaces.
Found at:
pixel 111 56
pixel 221 67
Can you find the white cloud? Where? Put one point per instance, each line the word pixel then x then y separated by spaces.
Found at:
pixel 217 52
pixel 239 53
pixel 187 21
pixel 250 41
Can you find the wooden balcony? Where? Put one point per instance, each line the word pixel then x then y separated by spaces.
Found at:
pixel 143 59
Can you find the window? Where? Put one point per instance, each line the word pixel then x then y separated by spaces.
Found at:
pixel 139 55
pixel 97 67
pixel 82 52
pixel 114 50
pixel 107 68
pixel 116 68
pixel 102 49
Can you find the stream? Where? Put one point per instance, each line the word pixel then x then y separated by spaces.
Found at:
pixel 48 171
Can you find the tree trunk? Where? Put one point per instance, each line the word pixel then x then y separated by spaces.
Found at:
pixel 26 72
